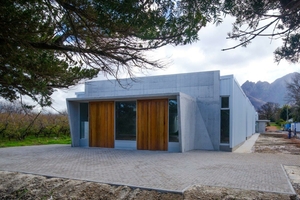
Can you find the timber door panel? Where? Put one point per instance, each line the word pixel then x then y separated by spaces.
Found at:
pixel 142 125
pixel 101 124
pixel 161 125
pixel 93 110
pixel 152 125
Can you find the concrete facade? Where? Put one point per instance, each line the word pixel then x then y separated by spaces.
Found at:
pixel 198 96
pixel 242 113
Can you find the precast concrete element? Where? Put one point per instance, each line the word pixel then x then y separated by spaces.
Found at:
pixel 247 145
pixel 242 113
pixel 198 96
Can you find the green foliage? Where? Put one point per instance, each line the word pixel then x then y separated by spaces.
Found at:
pixel 278 126
pixel 279 123
pixel 269 18
pixel 32 140
pixel 285 112
pixel 46 45
pixel 54 44
pixel 291 49
pixel 269 111
pixel 18 127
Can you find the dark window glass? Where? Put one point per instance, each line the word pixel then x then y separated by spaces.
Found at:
pixel 173 121
pixel 225 118
pixel 225 102
pixel 84 119
pixel 126 120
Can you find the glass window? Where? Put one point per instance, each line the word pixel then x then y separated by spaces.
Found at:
pixel 173 121
pixel 84 120
pixel 126 120
pixel 225 118
pixel 225 102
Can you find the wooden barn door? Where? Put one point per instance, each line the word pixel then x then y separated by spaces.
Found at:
pixel 152 124
pixel 101 123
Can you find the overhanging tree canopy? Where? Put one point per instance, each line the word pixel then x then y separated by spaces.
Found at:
pixel 48 44
pixel 268 18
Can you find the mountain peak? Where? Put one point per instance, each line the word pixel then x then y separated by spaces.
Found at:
pixel 262 91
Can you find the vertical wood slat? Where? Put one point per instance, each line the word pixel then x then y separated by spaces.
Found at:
pixel 142 125
pixel 101 124
pixel 161 132
pixel 111 125
pixel 152 124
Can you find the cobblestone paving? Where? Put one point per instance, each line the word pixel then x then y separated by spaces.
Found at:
pixel 150 169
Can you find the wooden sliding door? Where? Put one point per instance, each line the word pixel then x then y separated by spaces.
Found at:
pixel 152 124
pixel 101 124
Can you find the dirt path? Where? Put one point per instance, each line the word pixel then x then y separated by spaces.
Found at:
pixel 271 129
pixel 277 143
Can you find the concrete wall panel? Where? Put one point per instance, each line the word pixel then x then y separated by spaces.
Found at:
pixel 187 120
pixel 74 121
pixel 239 117
pixel 203 87
pixel 194 84
pixel 199 108
pixel 242 112
pixel 210 112
pixel 203 138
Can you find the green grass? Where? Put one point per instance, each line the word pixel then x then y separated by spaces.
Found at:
pixel 32 140
pixel 274 124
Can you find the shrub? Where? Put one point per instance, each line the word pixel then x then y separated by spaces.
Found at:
pixel 280 122
pixel 19 125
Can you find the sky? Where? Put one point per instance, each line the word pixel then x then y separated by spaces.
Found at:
pixel 254 63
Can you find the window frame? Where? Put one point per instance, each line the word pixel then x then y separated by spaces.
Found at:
pixel 177 112
pixel 229 113
pixel 116 118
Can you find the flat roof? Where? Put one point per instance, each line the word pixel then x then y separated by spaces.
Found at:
pixel 142 96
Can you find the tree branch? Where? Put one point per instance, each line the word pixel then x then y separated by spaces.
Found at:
pixel 251 38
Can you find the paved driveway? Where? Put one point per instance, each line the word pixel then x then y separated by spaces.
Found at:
pixel 157 170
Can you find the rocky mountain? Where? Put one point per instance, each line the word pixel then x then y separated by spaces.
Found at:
pixel 262 92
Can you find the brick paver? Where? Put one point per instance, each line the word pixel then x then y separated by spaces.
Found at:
pixel 153 169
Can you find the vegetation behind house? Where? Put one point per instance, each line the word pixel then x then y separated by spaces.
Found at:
pixel 21 126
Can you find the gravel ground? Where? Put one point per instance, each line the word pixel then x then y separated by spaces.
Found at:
pixel 274 142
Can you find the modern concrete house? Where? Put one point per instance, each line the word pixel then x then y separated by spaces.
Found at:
pixel 175 113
